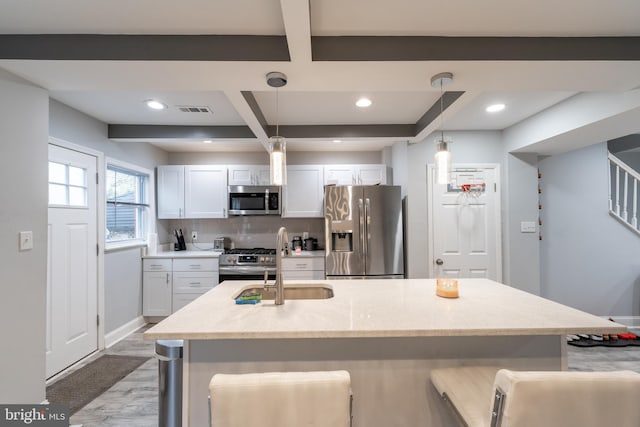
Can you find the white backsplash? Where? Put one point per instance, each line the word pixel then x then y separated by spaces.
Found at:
pixel 246 231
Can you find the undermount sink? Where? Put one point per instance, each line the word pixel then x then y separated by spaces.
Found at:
pixel 291 291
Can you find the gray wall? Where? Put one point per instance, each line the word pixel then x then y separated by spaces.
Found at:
pixel 23 165
pixel 467 147
pixel 521 251
pixel 589 260
pixel 261 157
pixel 123 287
pixel 123 271
pixel 74 126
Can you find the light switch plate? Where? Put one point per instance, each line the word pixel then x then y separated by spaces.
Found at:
pixel 527 227
pixel 26 240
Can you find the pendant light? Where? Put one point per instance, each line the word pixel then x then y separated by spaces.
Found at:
pixel 443 155
pixel 277 143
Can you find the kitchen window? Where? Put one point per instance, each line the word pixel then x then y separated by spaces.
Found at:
pixel 128 204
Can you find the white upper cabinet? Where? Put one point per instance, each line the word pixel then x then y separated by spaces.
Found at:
pixel 355 174
pixel 198 191
pixel 170 192
pixel 205 194
pixel 304 192
pixel 248 174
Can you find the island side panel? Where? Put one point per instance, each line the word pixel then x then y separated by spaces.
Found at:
pixel 389 376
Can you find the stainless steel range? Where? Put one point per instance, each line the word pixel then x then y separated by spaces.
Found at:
pixel 247 264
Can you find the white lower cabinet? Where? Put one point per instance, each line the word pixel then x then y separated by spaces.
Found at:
pixel 186 279
pixel 303 268
pixel 156 287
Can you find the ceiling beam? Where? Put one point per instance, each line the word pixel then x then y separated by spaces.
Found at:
pixel 346 131
pixel 435 48
pixel 116 131
pixel 297 26
pixel 127 47
pixel 436 110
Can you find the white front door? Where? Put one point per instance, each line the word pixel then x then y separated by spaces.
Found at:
pixel 72 282
pixel 465 223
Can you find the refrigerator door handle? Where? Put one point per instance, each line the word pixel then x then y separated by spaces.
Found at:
pixel 367 221
pixel 327 236
pixel 361 218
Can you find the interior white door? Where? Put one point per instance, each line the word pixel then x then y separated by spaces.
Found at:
pixel 465 225
pixel 72 282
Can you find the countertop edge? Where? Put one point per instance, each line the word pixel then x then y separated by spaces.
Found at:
pixel 260 335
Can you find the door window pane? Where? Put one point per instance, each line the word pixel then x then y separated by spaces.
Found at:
pixel 77 176
pixel 57 194
pixel 77 196
pixel 57 173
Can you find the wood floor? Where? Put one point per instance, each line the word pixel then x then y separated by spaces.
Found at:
pixel 134 400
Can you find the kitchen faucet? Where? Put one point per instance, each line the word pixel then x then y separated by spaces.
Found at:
pixel 282 245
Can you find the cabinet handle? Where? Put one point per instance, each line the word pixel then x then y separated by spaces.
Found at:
pixel 155 265
pixel 194 283
pixel 195 266
pixel 167 278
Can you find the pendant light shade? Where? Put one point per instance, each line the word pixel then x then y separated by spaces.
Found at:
pixel 277 143
pixel 277 160
pixel 443 155
pixel 443 163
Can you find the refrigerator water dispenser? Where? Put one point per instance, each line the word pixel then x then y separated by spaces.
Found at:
pixel 342 242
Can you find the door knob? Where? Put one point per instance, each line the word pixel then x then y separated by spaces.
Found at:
pixel 439 261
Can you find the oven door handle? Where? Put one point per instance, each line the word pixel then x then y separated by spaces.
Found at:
pixel 240 269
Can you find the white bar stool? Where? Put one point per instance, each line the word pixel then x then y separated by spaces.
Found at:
pixel 281 399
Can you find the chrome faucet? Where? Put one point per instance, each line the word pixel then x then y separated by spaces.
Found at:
pixel 282 245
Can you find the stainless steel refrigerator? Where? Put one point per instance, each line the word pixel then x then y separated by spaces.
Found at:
pixel 363 226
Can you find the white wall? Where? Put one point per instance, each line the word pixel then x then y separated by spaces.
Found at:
pixel 123 271
pixel 589 260
pixel 23 167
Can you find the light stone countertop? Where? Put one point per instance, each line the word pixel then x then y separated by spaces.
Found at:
pixel 378 308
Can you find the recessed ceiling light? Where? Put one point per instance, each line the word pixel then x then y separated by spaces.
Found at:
pixel 495 108
pixel 337 141
pixel 208 141
pixel 155 104
pixel 363 102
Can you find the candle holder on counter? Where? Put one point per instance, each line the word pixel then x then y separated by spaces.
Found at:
pixel 447 288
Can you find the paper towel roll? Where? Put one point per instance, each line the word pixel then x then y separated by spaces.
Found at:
pixel 152 244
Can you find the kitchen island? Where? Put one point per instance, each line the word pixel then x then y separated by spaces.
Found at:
pixel 388 334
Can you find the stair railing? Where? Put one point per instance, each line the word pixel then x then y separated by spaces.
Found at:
pixel 623 192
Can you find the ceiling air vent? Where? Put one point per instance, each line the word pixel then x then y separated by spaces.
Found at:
pixel 194 109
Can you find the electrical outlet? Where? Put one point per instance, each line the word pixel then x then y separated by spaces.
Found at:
pixel 194 236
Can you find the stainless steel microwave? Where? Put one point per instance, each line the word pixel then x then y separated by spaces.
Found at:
pixel 254 200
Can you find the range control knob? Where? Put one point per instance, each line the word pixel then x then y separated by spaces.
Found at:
pixel 262 259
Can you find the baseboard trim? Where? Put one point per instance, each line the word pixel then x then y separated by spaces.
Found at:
pixel 123 331
pixel 631 322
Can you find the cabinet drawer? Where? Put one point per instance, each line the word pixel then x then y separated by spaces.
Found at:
pixel 311 263
pixel 180 300
pixel 195 264
pixel 188 282
pixel 156 264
